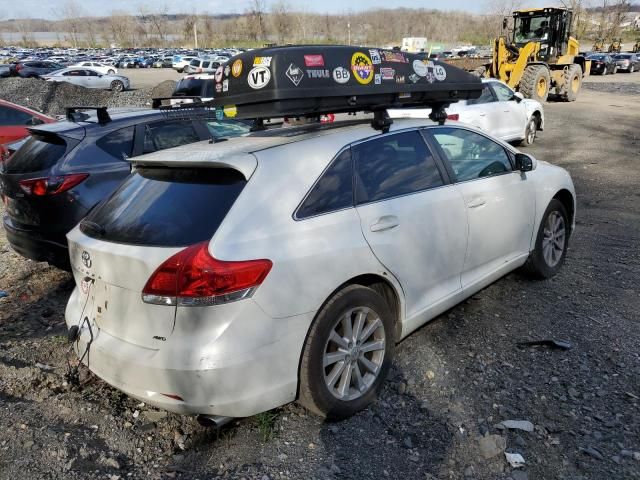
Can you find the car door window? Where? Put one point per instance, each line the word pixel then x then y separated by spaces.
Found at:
pixel 470 154
pixel 394 165
pixel 485 97
pixel 91 73
pixel 333 190
pixel 162 135
pixel 118 144
pixel 504 93
pixel 9 116
pixel 74 73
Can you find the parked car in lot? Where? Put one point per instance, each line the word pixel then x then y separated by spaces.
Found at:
pixel 180 62
pixel 89 78
pixel 165 62
pixel 231 278
pixel 201 65
pixel 15 119
pixel 602 63
pixel 5 70
pixel 65 169
pixel 201 85
pixel 627 62
pixel 98 67
pixel 34 69
pixel 499 110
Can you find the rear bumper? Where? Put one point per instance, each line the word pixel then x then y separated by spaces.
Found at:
pixel 38 246
pixel 240 373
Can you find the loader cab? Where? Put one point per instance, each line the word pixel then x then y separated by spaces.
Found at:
pixel 547 26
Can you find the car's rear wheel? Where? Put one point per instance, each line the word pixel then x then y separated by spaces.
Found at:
pixel 551 242
pixel 530 132
pixel 117 86
pixel 347 353
pixel 111 72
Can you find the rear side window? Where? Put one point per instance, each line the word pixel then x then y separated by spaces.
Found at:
pixel 166 207
pixel 194 87
pixel 485 97
pixel 333 191
pixel 228 128
pixel 163 135
pixel 394 165
pixel 118 144
pixel 40 152
pixel 11 116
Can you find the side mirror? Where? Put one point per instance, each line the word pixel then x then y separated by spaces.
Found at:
pixel 518 97
pixel 34 121
pixel 524 162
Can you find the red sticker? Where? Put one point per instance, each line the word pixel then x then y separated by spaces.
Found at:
pixel 314 60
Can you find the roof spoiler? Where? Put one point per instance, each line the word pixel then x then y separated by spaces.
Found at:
pixel 75 114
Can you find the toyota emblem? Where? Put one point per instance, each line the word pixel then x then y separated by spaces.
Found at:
pixel 86 259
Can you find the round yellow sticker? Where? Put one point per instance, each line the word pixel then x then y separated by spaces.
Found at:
pixel 362 68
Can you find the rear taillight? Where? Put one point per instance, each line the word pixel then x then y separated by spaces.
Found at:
pixel 453 116
pixel 51 185
pixel 19 67
pixel 192 277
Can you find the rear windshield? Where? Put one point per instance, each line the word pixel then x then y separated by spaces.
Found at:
pixel 166 207
pixel 194 87
pixel 40 152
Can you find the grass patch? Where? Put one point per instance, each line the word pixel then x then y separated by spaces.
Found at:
pixel 266 422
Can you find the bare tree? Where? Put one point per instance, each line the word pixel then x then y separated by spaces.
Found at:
pixel 73 23
pixel 282 20
pixel 255 20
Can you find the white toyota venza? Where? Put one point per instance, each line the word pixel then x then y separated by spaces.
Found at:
pixel 230 278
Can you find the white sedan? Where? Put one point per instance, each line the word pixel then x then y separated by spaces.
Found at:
pixel 499 111
pixel 98 67
pixel 85 77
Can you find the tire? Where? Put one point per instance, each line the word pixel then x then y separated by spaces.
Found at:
pixel 542 265
pixel 632 69
pixel 117 86
pixel 180 70
pixel 536 82
pixel 346 306
pixel 615 69
pixel 111 72
pixel 530 132
pixel 573 79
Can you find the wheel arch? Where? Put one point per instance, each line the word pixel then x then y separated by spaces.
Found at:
pixel 565 197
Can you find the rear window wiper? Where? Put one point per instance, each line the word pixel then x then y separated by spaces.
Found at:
pixel 94 228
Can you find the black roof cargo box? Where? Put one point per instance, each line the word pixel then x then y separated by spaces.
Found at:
pixel 314 79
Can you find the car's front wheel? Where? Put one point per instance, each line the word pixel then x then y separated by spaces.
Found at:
pixel 551 242
pixel 117 86
pixel 347 353
pixel 111 72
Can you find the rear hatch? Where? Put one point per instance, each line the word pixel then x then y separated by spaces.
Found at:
pixel 154 214
pixel 33 160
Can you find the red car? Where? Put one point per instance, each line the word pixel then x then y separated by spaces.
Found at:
pixel 14 121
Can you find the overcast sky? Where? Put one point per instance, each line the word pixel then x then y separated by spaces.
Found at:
pixel 50 8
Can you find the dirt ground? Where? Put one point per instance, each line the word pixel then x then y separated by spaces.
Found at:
pixel 452 383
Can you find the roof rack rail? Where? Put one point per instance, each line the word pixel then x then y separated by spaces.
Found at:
pixel 185 108
pixel 313 80
pixel 75 114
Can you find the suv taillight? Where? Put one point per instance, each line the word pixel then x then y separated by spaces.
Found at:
pixel 453 116
pixel 51 185
pixel 192 277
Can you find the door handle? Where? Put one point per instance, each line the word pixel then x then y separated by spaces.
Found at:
pixel 482 114
pixel 477 202
pixel 384 223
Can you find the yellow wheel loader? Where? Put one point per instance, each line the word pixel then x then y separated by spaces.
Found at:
pixel 598 45
pixel 539 56
pixel 636 46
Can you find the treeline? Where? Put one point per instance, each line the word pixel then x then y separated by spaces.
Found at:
pixel 153 27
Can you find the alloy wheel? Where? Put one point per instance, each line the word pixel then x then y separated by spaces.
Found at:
pixel 354 353
pixel 553 241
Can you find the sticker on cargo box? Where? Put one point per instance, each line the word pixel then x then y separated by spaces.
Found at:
pixel 387 73
pixel 227 69
pixel 413 78
pixel 313 61
pixel 375 56
pixel 397 57
pixel 341 75
pixel 378 79
pixel 362 68
pixel 225 85
pixel 404 95
pixel 236 68
pixel 230 111
pixel 420 68
pixel 295 74
pixel 440 73
pixel 219 73
pixel 262 61
pixel 259 77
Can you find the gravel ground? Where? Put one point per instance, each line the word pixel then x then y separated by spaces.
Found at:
pixel 453 382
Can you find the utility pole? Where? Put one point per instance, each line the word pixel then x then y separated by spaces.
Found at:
pixel 349 30
pixel 195 34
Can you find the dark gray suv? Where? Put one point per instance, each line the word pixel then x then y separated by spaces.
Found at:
pixel 35 68
pixel 67 168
